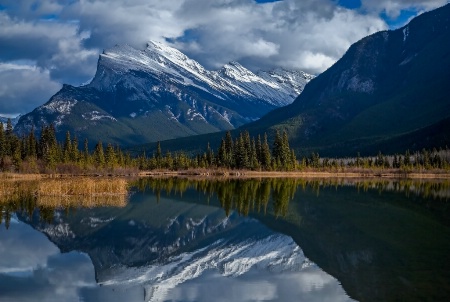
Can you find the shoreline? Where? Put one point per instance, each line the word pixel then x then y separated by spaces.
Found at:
pixel 297 174
pixel 243 174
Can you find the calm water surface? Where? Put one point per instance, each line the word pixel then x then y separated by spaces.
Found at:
pixel 231 240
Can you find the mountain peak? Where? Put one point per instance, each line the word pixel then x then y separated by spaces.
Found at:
pixel 236 71
pixel 160 85
pixel 165 50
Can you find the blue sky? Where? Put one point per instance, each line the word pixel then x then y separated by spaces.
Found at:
pixel 50 42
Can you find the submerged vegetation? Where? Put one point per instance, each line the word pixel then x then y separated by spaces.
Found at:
pixel 45 154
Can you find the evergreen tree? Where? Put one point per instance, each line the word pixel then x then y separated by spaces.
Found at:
pixel 120 157
pixel 2 141
pixel 314 160
pixel 222 154
pixel 99 156
pixel 229 162
pixel 266 158
pixel 240 152
pixel 74 152
pixel 253 159
pixel 407 159
pixel 9 138
pixel 168 161
pixel 247 147
pixel 379 162
pixel 142 162
pixel 293 160
pixel 285 152
pixel 110 156
pixel 24 147
pixel 358 160
pixel 209 155
pixel 158 154
pixel 86 155
pixel 16 153
pixel 396 162
pixel 32 144
pixel 48 146
pixel 67 148
pixel 259 149
pixel 277 149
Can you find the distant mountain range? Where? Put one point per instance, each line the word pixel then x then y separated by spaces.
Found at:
pixel 159 93
pixel 389 92
pixel 14 120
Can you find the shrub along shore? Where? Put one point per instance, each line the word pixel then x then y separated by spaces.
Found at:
pixel 29 156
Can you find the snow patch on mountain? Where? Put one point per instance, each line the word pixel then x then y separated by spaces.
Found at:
pixel 96 116
pixel 61 230
pixel 60 106
pixel 278 87
pixel 405 33
pixel 94 222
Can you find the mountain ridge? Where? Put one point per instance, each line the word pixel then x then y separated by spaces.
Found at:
pixel 389 86
pixel 377 90
pixel 158 93
pixel 14 120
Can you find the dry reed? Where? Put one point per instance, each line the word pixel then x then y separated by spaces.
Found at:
pixel 83 187
pixel 84 192
pixel 13 189
pixel 85 201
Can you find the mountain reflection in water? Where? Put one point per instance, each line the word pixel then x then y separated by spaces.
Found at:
pixel 178 239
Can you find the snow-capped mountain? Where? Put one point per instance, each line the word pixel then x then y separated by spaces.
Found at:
pixel 159 93
pixel 14 120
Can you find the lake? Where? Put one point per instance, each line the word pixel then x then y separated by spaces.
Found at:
pixel 179 239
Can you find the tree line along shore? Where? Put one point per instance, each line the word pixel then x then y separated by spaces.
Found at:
pixel 239 156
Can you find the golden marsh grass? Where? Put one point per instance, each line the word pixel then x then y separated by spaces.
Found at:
pixel 71 192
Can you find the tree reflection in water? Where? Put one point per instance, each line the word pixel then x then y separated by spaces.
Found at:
pixel 241 195
pixel 382 239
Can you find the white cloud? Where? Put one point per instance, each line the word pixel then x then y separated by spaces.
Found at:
pixel 55 46
pixel 299 34
pixel 45 273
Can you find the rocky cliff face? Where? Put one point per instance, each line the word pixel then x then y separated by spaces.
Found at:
pixel 387 85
